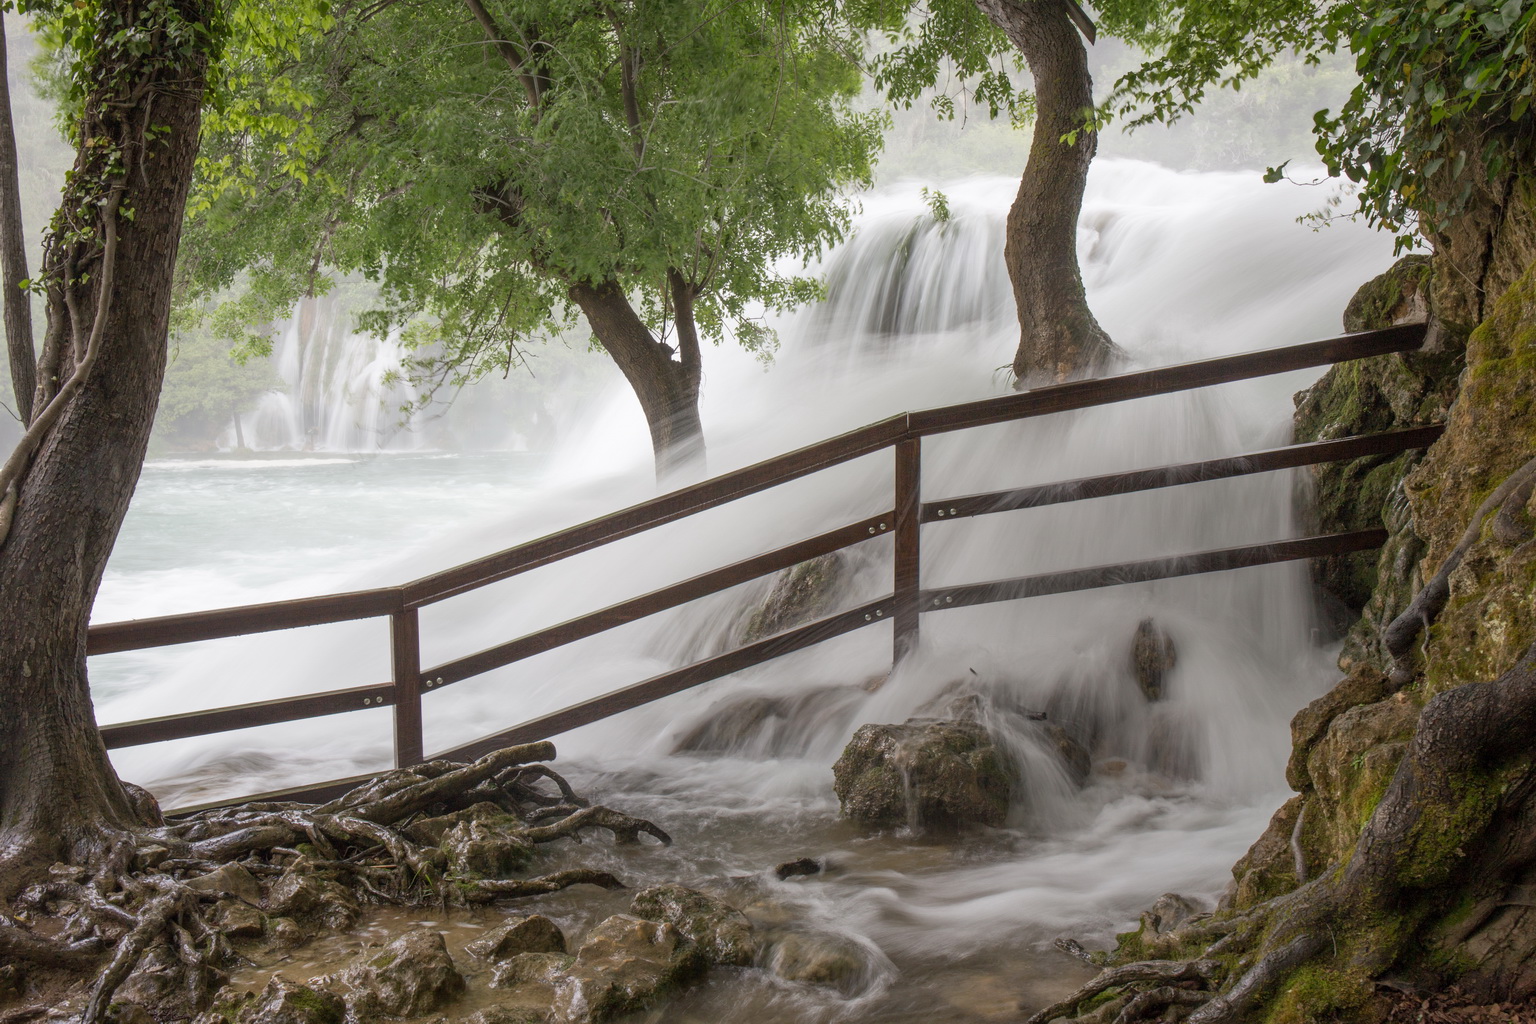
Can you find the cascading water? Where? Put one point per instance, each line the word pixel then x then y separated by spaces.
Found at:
pixel 1178 266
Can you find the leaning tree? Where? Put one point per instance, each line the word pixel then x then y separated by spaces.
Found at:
pixel 499 167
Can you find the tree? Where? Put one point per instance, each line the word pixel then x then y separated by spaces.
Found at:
pixel 140 68
pixel 497 167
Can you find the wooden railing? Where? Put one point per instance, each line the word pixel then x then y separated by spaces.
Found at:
pixel 903 606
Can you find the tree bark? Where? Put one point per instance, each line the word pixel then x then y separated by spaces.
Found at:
pixel 59 795
pixel 13 254
pixel 1059 337
pixel 668 388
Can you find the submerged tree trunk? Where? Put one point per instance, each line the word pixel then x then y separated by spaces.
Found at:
pixel 13 255
pixel 79 464
pixel 1059 337
pixel 668 387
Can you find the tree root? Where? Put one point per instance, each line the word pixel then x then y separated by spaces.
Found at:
pixel 131 905
pixel 1164 972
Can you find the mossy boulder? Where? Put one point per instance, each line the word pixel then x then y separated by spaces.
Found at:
pixel 721 933
pixel 818 958
pixel 624 965
pixel 304 895
pixel 282 1002
pixel 411 976
pixel 487 848
pixel 800 593
pixel 1363 397
pixel 923 772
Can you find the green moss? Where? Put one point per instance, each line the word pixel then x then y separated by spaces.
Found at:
pixel 316 1008
pixel 1315 993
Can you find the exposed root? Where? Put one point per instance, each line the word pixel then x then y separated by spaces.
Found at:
pixel 137 905
pixel 1164 972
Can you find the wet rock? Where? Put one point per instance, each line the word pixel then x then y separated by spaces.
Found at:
pixel 411 976
pixel 721 933
pixel 799 594
pixel 239 920
pixel 304 895
pixel 771 725
pixel 532 969
pixel 507 1015
pixel 1072 753
pixel 232 880
pixel 486 849
pixel 816 958
pixel 286 1002
pixel 128 1013
pixel 1153 656
pixel 1170 912
pixel 533 934
pixel 285 932
pixel 924 771
pixel 626 963
pixel 792 868
pixel 150 856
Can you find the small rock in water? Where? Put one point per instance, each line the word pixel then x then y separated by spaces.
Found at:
pixel 924 771
pixel 1153 656
pixel 239 920
pixel 301 894
pixel 411 976
pixel 538 969
pixel 817 959
pixel 721 933
pixel 285 932
pixel 803 866
pixel 533 934
pixel 1169 912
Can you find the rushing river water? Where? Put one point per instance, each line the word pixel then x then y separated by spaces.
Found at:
pixel 1178 266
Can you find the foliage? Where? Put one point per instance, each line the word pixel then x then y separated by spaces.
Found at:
pixel 204 385
pixel 707 139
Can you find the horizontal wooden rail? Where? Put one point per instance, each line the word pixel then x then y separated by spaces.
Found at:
pixel 656 601
pixel 244 716
pixel 1095 577
pixel 678 680
pixel 1165 380
pixel 164 630
pixel 1289 457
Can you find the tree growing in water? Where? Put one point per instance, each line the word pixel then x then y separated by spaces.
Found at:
pixel 499 166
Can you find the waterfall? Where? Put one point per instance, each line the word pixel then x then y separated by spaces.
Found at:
pixel 1178 266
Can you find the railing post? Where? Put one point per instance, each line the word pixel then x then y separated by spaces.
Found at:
pixel 909 470
pixel 405 651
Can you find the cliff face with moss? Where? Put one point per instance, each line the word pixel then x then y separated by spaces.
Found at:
pixel 1473 925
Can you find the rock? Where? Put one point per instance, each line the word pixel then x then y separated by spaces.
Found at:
pixel 232 880
pixel 485 849
pixel 770 725
pixel 302 894
pixel 430 831
pixel 533 934
pixel 145 807
pixel 1166 915
pixel 411 976
pixel 625 964
pixel 507 1015
pixel 128 1013
pixel 1072 753
pixel 286 1002
pixel 924 771
pixel 817 959
pixel 532 969
pixel 1153 656
pixel 239 920
pixel 150 856
pixel 721 933
pixel 285 932
pixel 791 868
pixel 799 594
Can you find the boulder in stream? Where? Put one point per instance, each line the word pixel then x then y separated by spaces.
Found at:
pixel 625 964
pixel 532 934
pixel 925 771
pixel 721 933
pixel 411 976
pixel 281 1002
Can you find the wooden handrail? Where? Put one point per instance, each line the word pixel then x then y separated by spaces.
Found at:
pixel 903 606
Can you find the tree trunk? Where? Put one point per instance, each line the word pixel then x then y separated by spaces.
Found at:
pixel 13 255
pixel 59 795
pixel 1059 338
pixel 668 388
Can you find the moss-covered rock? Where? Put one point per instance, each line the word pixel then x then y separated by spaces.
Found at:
pixel 624 965
pixel 411 976
pixel 926 771
pixel 721 933
pixel 1363 397
pixel 532 934
pixel 800 593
